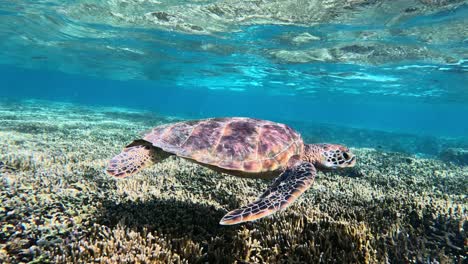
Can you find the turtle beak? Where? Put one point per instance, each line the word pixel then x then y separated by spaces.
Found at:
pixel 349 158
pixel 351 161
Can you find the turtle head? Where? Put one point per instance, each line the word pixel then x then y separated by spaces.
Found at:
pixel 330 156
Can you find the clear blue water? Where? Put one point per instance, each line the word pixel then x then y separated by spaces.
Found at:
pixel 401 67
pixel 79 79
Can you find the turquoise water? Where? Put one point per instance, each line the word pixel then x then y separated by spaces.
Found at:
pixel 402 68
pixel 386 78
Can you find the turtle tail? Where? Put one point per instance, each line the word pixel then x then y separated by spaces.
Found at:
pixel 133 158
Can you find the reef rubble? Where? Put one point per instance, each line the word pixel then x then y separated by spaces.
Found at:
pixel 58 206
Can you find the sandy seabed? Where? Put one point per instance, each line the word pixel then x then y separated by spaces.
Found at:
pixel 58 205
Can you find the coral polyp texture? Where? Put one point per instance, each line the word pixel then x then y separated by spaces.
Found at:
pixel 59 206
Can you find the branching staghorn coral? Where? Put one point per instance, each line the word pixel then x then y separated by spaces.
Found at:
pixel 58 206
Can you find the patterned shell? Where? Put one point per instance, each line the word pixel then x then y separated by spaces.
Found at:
pixel 241 144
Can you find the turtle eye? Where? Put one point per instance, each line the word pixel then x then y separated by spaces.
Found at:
pixel 345 155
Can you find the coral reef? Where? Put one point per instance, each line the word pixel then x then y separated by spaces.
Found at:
pixel 57 205
pixel 456 155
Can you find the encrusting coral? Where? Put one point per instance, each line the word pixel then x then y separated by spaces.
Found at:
pixel 58 206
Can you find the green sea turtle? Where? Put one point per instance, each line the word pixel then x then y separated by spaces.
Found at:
pixel 242 147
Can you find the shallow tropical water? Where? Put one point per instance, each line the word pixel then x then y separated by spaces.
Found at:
pixel 80 79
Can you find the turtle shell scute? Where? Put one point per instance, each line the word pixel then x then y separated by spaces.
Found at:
pixel 237 143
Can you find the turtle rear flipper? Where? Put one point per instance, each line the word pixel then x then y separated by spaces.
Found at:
pixel 133 158
pixel 282 193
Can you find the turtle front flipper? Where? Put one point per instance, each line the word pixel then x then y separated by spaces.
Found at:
pixel 282 193
pixel 133 158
